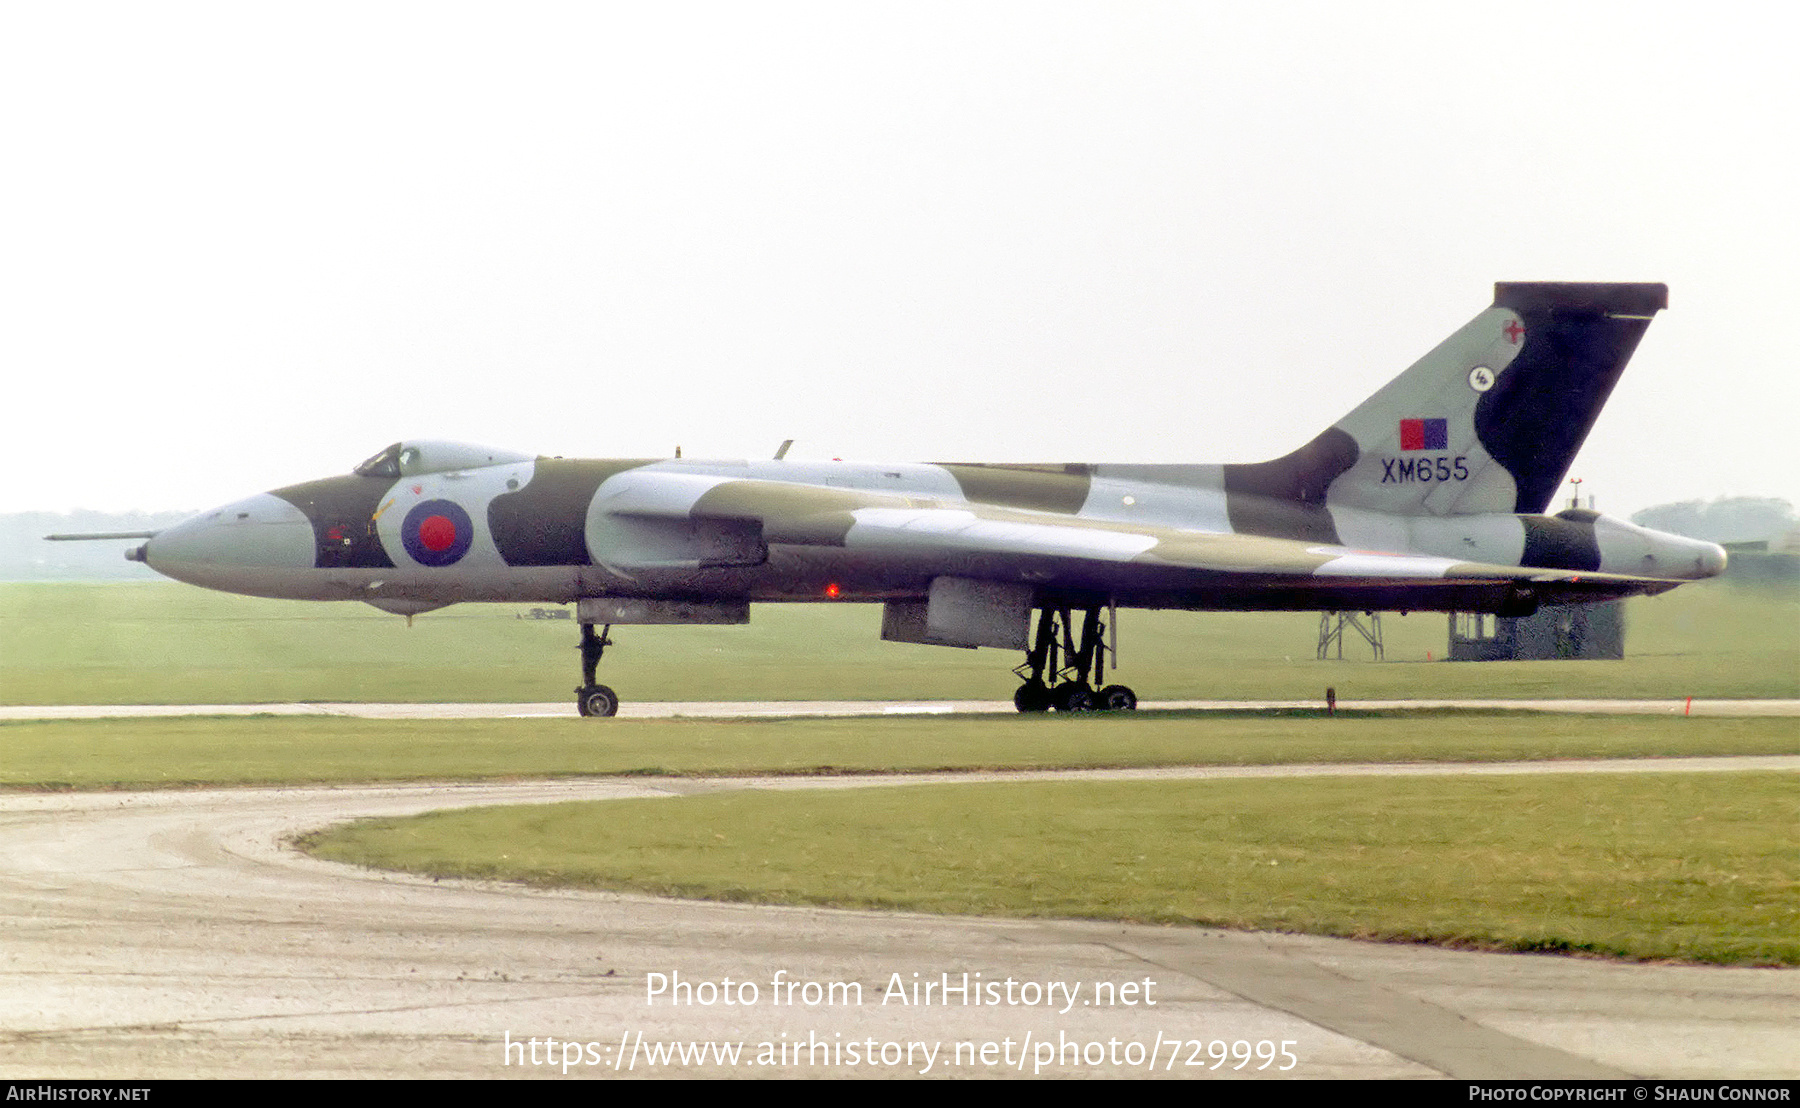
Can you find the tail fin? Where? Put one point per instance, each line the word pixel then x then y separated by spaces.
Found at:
pixel 1489 421
pixel 1577 339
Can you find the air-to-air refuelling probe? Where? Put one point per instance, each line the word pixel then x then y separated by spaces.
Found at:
pixel 1430 496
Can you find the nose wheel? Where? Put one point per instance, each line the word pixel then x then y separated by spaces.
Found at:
pixel 597 700
pixel 593 698
pixel 1063 668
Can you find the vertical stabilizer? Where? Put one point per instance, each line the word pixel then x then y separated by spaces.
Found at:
pixel 1577 339
pixel 1489 421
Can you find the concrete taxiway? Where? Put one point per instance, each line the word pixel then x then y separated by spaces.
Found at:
pixel 175 934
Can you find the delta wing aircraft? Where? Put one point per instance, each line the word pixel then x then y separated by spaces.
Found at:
pixel 1429 496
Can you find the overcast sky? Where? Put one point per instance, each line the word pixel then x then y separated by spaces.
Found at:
pixel 248 244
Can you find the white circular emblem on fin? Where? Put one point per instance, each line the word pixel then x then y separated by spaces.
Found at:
pixel 1481 378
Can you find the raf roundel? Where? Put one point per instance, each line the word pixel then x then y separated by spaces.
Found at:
pixel 437 533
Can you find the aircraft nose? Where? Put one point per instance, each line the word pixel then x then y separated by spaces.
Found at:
pixel 253 546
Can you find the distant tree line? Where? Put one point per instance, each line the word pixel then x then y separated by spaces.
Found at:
pixel 1725 520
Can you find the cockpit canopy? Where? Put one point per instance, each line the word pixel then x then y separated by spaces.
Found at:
pixel 417 456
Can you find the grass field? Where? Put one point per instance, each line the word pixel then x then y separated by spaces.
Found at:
pixel 155 753
pixel 1698 867
pixel 1643 867
pixel 164 643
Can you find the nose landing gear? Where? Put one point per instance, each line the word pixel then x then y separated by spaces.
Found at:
pixel 1061 673
pixel 593 698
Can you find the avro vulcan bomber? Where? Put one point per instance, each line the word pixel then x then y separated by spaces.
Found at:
pixel 1430 496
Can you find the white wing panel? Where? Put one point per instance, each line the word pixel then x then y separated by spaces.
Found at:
pixel 952 529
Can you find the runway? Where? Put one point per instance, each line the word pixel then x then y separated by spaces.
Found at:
pixel 804 708
pixel 173 934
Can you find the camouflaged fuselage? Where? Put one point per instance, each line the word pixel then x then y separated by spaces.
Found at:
pixel 555 530
pixel 1432 495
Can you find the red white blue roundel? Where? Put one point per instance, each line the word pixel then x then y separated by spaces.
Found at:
pixel 437 533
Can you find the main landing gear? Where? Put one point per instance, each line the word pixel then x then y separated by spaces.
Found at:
pixel 593 698
pixel 1063 673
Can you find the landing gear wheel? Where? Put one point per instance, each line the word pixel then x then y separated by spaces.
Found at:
pixel 596 700
pixel 1116 698
pixel 1032 697
pixel 1072 697
pixel 592 698
pixel 1065 664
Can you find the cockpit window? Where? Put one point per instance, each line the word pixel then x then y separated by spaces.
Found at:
pixel 384 464
pixel 410 459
